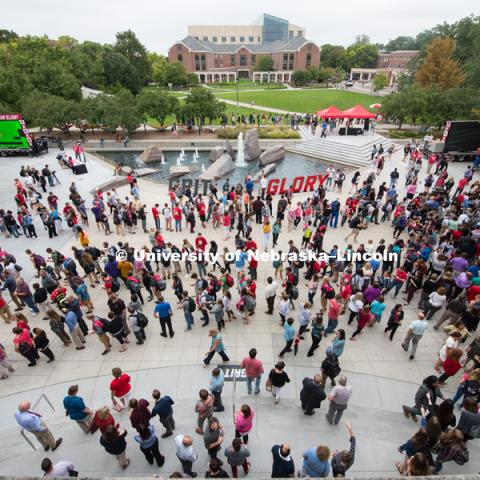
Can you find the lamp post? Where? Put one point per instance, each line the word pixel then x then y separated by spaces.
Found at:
pixel 237 88
pixel 268 81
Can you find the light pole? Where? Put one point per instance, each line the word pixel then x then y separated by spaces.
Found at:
pixel 237 89
pixel 268 81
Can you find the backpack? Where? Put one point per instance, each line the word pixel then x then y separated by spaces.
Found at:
pixel 142 320
pixel 115 285
pixel 217 286
pixel 94 252
pixel 294 293
pixel 229 281
pixel 191 305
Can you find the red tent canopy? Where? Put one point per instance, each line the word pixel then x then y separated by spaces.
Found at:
pixel 358 111
pixel 330 112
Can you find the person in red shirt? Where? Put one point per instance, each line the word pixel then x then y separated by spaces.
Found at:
pixel 399 278
pixel 253 369
pixel 250 244
pixel 177 216
pixel 120 388
pixel 156 216
pixel 472 292
pixel 67 209
pixel 173 198
pixel 460 186
pixel 364 317
pixel 252 267
pixel 201 212
pixel 200 242
pixel 451 365
pixel 23 343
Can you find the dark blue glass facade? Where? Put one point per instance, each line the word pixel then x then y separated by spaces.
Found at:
pixel 274 28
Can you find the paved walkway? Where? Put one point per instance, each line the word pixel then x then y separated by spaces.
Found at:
pixel 373 411
pixel 380 371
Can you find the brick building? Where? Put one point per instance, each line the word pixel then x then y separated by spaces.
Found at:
pixel 212 62
pixel 225 53
pixel 395 59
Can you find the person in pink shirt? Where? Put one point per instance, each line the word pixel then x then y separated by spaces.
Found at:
pixel 253 369
pixel 227 221
pixel 244 422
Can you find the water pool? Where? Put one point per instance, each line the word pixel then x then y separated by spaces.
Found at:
pixel 290 167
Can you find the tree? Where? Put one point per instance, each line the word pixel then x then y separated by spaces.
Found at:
pixel 439 70
pixel 359 55
pixel 401 43
pixel 119 71
pixel 408 104
pixel 176 74
pixel 300 78
pixel 15 84
pixel 129 46
pixel 362 39
pixel 331 55
pixel 6 36
pixel 49 111
pixel 202 104
pixel 158 63
pixel 380 82
pixel 264 64
pixel 157 104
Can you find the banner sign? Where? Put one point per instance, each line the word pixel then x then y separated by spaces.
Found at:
pixel 276 186
pixel 233 371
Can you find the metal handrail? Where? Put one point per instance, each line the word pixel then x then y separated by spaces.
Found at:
pixel 22 432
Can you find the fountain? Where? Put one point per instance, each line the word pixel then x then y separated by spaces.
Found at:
pixel 203 167
pixel 196 152
pixel 163 159
pixel 179 160
pixel 240 161
pixel 194 157
pixel 182 152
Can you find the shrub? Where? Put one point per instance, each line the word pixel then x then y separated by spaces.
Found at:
pixel 231 133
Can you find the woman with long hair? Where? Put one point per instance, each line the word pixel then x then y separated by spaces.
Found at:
pixel 244 422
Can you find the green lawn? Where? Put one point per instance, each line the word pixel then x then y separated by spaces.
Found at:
pixel 244 85
pixel 306 101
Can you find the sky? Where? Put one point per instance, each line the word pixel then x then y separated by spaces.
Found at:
pixel 160 23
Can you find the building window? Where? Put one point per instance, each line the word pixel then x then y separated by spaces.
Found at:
pixel 243 60
pixel 299 33
pixel 251 39
pixel 290 34
pixel 224 39
pixel 259 39
pixel 179 57
pixel 308 62
pixel 233 39
pixel 214 39
pixel 242 39
pixel 232 60
pixel 205 39
pixel 291 61
pixel 254 60
pixel 285 61
pixel 200 62
pixel 196 38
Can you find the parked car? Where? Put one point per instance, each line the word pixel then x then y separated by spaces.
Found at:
pixel 349 83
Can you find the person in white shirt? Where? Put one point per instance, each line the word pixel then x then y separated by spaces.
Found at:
pixel 263 186
pixel 185 453
pixel 60 469
pixel 270 293
pixel 331 175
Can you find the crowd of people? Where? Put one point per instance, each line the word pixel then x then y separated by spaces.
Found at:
pixel 432 261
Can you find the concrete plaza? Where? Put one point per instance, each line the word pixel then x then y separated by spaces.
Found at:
pixel 382 376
